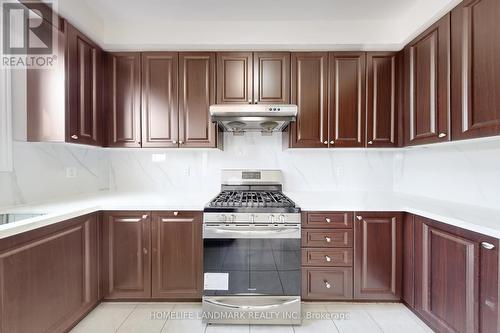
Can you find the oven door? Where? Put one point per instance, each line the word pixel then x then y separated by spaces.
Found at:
pixel 252 260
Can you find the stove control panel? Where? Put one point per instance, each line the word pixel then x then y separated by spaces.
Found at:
pixel 294 218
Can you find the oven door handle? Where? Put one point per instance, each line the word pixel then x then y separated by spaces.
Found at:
pixel 251 307
pixel 251 232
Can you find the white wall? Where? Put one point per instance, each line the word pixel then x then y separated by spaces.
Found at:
pixel 464 172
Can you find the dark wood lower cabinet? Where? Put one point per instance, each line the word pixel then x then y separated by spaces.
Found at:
pixel 456 278
pixel 126 255
pixel 377 256
pixel 177 255
pixel 49 277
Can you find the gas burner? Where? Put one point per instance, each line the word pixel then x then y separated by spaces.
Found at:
pixel 251 199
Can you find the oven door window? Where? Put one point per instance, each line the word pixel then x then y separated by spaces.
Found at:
pixel 255 266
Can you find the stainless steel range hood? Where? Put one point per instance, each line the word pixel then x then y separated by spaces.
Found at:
pixel 240 118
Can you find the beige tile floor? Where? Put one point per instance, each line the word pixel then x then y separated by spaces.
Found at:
pixel 362 318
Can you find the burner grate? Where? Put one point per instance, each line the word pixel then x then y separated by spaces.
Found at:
pixel 251 199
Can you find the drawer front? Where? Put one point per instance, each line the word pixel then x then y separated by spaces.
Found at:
pixel 338 220
pixel 327 257
pixel 327 283
pixel 327 238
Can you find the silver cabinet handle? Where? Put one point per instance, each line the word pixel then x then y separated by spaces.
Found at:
pixel 327 284
pixel 328 220
pixel 359 217
pixel 370 142
pixel 176 213
pixel 145 216
pixel 174 142
pixel 181 142
pixel 74 137
pixel 332 142
pixel 442 135
pixel 145 251
pixel 328 259
pixel 487 246
pixel 325 142
pixel 249 101
pixel 328 239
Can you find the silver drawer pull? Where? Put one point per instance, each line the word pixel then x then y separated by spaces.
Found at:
pixel 370 142
pixel 328 239
pixel 442 135
pixel 325 142
pixel 328 220
pixel 145 216
pixel 359 217
pixel 74 137
pixel 145 250
pixel 487 246
pixel 328 259
pixel 327 284
pixel 176 213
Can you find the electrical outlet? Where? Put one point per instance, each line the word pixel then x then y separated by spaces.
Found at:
pixel 187 171
pixel 339 171
pixel 71 172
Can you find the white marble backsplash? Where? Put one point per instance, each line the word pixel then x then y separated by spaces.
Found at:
pixel 465 172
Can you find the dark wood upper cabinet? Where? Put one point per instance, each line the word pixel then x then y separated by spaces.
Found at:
pixel 84 88
pixel 309 81
pixel 177 255
pixel 427 85
pixel 234 77
pixel 160 112
pixel 382 99
pixel 347 99
pixel 49 276
pixel 475 71
pixel 378 256
pixel 271 77
pixel 123 99
pixel 196 94
pixel 126 255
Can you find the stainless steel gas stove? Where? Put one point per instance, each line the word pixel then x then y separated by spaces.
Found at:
pixel 251 233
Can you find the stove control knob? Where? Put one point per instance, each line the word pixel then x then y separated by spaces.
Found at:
pixel 223 218
pixel 233 218
pixel 271 218
pixel 252 218
pixel 282 218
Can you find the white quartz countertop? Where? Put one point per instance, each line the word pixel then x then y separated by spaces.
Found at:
pixel 479 219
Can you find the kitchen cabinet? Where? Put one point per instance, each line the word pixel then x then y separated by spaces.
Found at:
pixel 252 78
pixel 347 99
pixel 427 85
pixel 382 99
pixel 160 113
pixel 177 270
pixel 234 77
pixel 309 91
pixel 196 94
pixel 271 77
pixel 456 278
pixel 123 99
pixel 49 276
pixel 84 88
pixel 475 71
pixel 377 256
pixel 126 255
pixel 327 255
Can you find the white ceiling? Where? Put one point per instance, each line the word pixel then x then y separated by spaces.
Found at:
pixel 248 10
pixel 253 24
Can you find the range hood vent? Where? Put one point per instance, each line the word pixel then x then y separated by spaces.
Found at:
pixel 241 118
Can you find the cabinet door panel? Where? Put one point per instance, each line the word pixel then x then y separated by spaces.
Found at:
pixel 83 77
pixel 197 93
pixel 271 77
pixel 382 100
pixel 126 255
pixel 160 111
pixel 377 251
pixel 124 99
pixel 347 99
pixel 446 275
pixel 309 93
pixel 177 255
pixel 49 282
pixel 427 106
pixel 234 77
pixel 475 69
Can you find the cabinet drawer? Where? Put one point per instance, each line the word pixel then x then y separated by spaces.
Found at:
pixel 339 220
pixel 327 283
pixel 327 238
pixel 327 257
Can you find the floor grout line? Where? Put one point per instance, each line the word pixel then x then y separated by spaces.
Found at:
pixel 124 320
pixel 373 319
